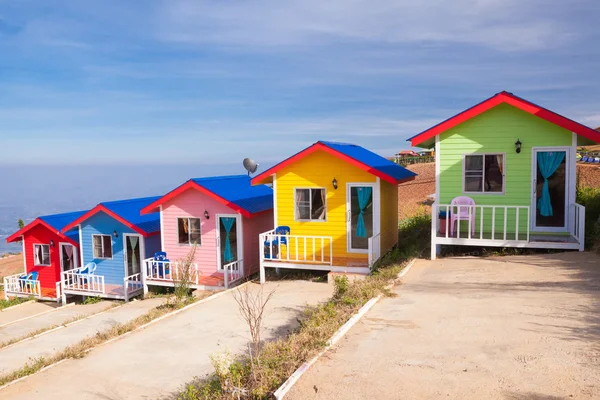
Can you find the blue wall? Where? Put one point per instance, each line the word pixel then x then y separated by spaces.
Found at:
pixel 113 269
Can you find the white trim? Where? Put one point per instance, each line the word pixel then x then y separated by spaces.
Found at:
pixel 316 267
pixel 239 237
pixel 162 229
pixel 81 245
pixel 103 252
pixel 507 243
pixel 296 219
pixel 572 183
pixel 60 253
pixel 190 226
pixel 568 179
pixel 437 168
pixel 275 201
pixel 483 192
pixel 24 255
pixel 49 256
pixel 142 248
pixel 376 212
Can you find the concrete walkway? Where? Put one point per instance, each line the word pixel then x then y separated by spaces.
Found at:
pixel 14 313
pixel 14 357
pixel 58 316
pixel 158 360
pixel 519 327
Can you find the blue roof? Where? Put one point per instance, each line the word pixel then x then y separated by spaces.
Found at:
pixel 371 159
pixel 238 190
pixel 59 221
pixel 130 209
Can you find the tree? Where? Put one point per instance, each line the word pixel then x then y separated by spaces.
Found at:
pixel 21 223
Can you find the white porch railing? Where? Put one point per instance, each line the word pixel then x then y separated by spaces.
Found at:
pixel 577 226
pixel 170 271
pixel 298 248
pixel 132 283
pixel 73 280
pixel 14 285
pixel 374 249
pixel 233 272
pixel 484 222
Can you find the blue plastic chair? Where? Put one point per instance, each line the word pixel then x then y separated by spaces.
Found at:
pixel 280 230
pixel 161 268
pixel 25 280
pixel 584 159
pixel 590 159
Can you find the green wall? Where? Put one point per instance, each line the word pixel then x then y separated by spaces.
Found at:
pixel 496 131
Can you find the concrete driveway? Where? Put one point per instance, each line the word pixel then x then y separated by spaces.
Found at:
pixel 156 361
pixel 521 327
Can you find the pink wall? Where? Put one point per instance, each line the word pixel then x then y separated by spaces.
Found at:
pixel 192 203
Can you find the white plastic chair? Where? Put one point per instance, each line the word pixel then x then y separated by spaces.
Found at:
pixel 462 213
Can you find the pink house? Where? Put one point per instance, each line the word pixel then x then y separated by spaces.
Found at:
pixel 222 218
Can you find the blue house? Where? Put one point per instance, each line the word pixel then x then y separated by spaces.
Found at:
pixel 114 240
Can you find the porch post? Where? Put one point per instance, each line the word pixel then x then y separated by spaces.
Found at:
pixel 434 215
pixel 5 287
pixel 62 285
pixel 126 289
pixel 581 229
pixel 144 274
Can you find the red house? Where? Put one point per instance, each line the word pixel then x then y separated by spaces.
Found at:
pixel 46 253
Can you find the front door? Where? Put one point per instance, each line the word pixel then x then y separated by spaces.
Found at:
pixel 550 189
pixel 68 257
pixel 133 253
pixel 360 216
pixel 228 240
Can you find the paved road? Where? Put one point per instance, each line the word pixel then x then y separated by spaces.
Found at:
pixel 16 356
pixel 517 328
pixel 156 361
pixel 56 317
pixel 11 314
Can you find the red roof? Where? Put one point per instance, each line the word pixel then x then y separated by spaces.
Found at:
pixel 515 101
pixel 15 237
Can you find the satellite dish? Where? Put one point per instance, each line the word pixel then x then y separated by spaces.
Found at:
pixel 250 165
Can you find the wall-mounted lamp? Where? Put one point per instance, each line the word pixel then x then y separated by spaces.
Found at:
pixel 206 214
pixel 51 243
pixel 115 234
pixel 518 146
pixel 334 182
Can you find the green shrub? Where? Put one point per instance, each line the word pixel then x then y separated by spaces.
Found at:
pixel 590 198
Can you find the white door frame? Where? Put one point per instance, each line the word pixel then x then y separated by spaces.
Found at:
pixel 376 213
pixel 141 246
pixel 60 253
pixel 569 185
pixel 239 233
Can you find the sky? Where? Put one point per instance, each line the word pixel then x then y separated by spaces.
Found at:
pixel 212 82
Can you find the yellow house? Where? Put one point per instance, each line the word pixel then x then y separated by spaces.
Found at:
pixel 335 209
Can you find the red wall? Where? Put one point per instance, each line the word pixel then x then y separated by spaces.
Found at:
pixel 48 276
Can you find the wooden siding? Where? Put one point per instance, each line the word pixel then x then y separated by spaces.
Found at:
pixel 317 170
pixel 192 203
pixel 113 269
pixel 496 131
pixel 389 216
pixel 252 228
pixel 48 276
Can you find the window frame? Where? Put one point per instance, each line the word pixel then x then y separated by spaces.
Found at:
pixel 483 192
pixel 189 224
pixel 49 255
pixel 296 219
pixel 103 251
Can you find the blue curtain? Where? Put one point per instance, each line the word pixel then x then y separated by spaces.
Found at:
pixel 548 162
pixel 227 223
pixel 364 194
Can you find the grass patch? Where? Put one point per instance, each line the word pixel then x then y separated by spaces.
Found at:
pixel 590 198
pixel 92 300
pixel 81 348
pixel 13 302
pixel 241 377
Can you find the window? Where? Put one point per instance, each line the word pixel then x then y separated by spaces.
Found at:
pixel 188 230
pixel 102 246
pixel 310 205
pixel 484 173
pixel 41 254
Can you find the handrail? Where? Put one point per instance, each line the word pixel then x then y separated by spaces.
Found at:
pixel 233 272
pixel 15 284
pixel 170 271
pixel 374 248
pixel 72 280
pixel 310 249
pixel 577 227
pixel 135 281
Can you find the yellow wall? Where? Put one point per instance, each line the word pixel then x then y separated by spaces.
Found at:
pixel 318 170
pixel 389 216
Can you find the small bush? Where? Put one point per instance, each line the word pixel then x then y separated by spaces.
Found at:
pixel 13 302
pixel 590 198
pixel 92 300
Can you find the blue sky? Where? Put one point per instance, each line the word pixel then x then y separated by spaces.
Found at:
pixel 206 82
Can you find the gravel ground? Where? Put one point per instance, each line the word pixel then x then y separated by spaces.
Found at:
pixel 519 327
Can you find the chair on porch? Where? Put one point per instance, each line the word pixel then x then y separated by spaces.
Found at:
pixel 26 281
pixel 462 210
pixel 272 246
pixel 160 266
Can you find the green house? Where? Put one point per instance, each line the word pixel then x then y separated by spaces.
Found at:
pixel 506 176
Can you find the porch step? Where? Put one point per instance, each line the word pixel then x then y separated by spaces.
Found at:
pixel 352 276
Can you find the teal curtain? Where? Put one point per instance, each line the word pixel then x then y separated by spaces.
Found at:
pixel 548 163
pixel 227 254
pixel 364 194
